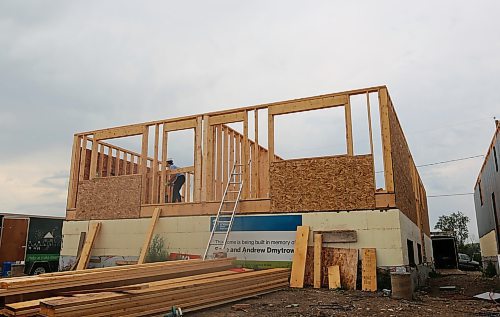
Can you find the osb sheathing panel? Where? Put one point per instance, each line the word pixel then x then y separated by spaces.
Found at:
pixel 403 186
pixel 326 183
pixel 109 198
pixel 347 259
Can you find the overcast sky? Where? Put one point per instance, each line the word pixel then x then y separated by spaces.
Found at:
pixel 72 66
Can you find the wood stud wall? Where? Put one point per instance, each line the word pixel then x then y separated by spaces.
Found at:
pixel 217 147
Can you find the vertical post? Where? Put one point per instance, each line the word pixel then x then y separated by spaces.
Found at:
pixel 231 154
pixel 204 178
pixel 237 153
pixel 154 178
pixel 255 158
pixel 225 158
pixel 93 159
pixel 245 159
pixel 386 139
pixel 73 176
pixel 144 164
pixel 197 159
pixel 124 165
pixel 83 158
pixel 164 149
pixel 270 138
pixel 318 240
pixel 348 127
pixel 117 163
pixel 101 161
pixel 218 177
pixel 370 131
pixel 187 197
pixel 108 162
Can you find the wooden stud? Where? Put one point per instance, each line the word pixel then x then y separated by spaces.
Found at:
pixel 101 161
pixel 198 159
pixel 348 128
pixel 270 138
pixel 334 277
pixel 119 132
pixel 368 108
pixel 210 164
pixel 238 155
pixel 149 235
pixel 144 164
pixel 155 187
pixel 369 270
pixel 117 163
pixel 204 176
pixel 83 158
pixel 231 156
pixel 256 158
pixel 317 259
pixel 218 178
pixel 386 139
pixel 187 185
pixel 124 164
pixel 87 248
pixel 110 159
pixel 73 176
pixel 246 159
pixel 299 257
pixel 163 181
pixel 93 159
pixel 225 159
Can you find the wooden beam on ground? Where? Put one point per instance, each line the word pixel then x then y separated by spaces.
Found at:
pixel 299 257
pixel 369 270
pixel 317 260
pixel 149 235
pixel 89 243
pixel 334 277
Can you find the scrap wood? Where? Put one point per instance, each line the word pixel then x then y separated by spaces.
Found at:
pixel 369 270
pixel 149 235
pixel 299 257
pixel 334 277
pixel 317 259
pixel 83 261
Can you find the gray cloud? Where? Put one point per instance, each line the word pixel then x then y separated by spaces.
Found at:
pixel 67 67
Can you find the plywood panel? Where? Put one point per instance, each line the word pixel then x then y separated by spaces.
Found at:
pixel 325 183
pixel 109 198
pixel 346 259
pixel 299 257
pixel 369 270
pixel 403 186
pixel 334 277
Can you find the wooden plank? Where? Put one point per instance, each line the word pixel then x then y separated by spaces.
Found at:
pixel 124 164
pixel 81 243
pixel 246 159
pixel 386 139
pixel 163 180
pixel 385 200
pixel 238 155
pixel 348 128
pixel 187 196
pixel 155 187
pixel 339 236
pixel 93 159
pixel 198 159
pixel 83 158
pixel 149 235
pixel 119 132
pixel 218 178
pixel 369 270
pixel 181 125
pixel 225 158
pixel 334 277
pixel 227 118
pixel 299 257
pixel 231 159
pixel 117 163
pixel 270 139
pixel 110 159
pixel 204 176
pixel 144 164
pixel 317 260
pixel 73 176
pixel 306 105
pixel 256 158
pixel 370 131
pixel 101 161
pixel 87 248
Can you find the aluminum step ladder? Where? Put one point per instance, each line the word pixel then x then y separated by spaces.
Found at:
pixel 225 217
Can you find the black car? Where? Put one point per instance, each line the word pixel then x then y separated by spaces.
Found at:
pixel 465 263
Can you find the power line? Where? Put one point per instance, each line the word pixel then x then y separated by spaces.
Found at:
pixel 449 195
pixel 444 162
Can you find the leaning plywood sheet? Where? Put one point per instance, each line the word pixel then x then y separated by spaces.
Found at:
pixel 326 183
pixel 369 270
pixel 109 198
pixel 346 259
pixel 299 257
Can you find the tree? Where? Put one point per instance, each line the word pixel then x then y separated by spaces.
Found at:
pixel 456 225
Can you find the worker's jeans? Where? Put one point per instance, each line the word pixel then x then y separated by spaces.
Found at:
pixel 176 195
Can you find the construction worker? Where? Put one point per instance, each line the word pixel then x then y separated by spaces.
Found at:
pixel 176 180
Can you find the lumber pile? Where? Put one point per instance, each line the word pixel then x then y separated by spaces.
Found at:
pixel 47 285
pixel 189 293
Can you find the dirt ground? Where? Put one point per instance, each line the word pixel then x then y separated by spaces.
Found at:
pixel 430 301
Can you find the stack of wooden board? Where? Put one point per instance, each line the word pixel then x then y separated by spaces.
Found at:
pixel 51 283
pixel 189 293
